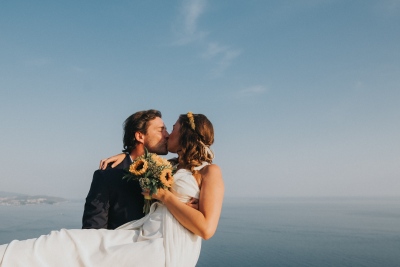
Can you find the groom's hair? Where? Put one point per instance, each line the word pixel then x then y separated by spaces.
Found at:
pixel 137 122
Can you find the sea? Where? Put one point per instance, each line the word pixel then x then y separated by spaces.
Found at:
pixel 262 231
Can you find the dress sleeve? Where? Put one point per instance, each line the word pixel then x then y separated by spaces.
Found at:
pixel 95 214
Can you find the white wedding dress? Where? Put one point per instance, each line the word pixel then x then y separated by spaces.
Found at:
pixel 157 239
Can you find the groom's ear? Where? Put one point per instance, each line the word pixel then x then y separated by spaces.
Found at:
pixel 139 137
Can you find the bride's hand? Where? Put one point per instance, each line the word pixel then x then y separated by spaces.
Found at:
pixel 117 159
pixel 159 195
pixel 194 203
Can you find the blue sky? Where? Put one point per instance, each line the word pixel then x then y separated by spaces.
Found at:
pixel 304 95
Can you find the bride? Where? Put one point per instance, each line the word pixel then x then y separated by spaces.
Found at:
pixel 170 235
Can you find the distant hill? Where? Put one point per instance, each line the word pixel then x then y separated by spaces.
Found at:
pixel 10 194
pixel 17 199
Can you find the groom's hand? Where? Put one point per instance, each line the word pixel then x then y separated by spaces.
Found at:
pixel 194 203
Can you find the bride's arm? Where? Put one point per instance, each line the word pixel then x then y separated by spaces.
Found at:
pixel 117 159
pixel 202 222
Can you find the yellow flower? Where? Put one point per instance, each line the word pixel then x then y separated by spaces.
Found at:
pixel 160 161
pixel 139 167
pixel 157 160
pixel 166 177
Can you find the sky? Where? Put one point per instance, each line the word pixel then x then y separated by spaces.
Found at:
pixel 304 96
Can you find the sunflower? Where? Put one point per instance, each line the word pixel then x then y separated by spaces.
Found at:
pixel 166 177
pixel 159 160
pixel 139 167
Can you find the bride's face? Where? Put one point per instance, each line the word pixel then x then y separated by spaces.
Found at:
pixel 173 140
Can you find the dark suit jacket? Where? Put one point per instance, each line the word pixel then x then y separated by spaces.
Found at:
pixel 112 201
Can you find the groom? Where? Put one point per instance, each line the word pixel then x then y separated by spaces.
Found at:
pixel 113 201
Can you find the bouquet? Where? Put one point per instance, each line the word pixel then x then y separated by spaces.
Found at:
pixel 152 172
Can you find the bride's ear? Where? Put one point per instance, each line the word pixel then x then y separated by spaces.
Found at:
pixel 139 137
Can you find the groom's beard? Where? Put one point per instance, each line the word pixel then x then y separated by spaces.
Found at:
pixel 160 148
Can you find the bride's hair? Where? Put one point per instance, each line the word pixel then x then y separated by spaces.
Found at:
pixel 196 135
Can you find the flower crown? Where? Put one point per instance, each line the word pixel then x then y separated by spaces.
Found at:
pixel 191 120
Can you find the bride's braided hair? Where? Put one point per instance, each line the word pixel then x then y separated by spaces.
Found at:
pixel 196 135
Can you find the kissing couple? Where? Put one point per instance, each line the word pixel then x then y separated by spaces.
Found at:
pixel 115 231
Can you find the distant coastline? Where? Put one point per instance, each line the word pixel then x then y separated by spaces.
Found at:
pixel 16 199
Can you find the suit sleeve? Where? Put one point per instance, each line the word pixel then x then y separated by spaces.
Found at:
pixel 95 214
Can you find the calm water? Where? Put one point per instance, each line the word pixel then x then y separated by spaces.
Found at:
pixel 262 232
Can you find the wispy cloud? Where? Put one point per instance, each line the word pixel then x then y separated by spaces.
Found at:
pixel 223 55
pixel 214 49
pixel 193 10
pixel 252 91
pixel 188 32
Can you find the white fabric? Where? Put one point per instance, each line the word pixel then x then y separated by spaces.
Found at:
pixel 158 239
